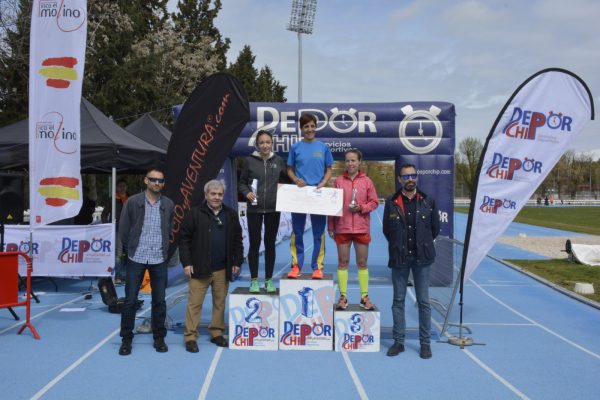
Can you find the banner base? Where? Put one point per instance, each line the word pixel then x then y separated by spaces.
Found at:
pixel 462 341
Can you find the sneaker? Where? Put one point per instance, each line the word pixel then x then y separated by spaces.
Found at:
pixel 293 274
pixel 342 303
pixel 396 349
pixel 317 274
pixel 365 303
pixel 425 352
pixel 269 287
pixel 254 286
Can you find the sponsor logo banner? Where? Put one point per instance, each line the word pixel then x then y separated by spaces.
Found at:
pixel 65 250
pixel 207 127
pixel 57 58
pixel 533 131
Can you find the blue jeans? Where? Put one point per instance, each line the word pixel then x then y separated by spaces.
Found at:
pixel 158 280
pixel 421 284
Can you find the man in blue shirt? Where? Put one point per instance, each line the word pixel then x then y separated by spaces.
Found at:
pixel 144 229
pixel 309 164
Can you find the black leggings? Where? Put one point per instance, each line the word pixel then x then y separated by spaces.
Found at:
pixel 255 222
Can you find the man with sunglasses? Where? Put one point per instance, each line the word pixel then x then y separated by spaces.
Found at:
pixel 144 229
pixel 410 225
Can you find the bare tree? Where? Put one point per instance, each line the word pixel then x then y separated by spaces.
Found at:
pixel 466 161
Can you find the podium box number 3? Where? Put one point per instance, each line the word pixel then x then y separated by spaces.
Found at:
pixel 357 330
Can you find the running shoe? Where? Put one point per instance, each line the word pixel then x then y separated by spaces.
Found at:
pixel 269 287
pixel 254 288
pixel 317 274
pixel 342 303
pixel 293 274
pixel 365 303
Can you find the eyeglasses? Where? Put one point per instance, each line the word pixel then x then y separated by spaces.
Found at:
pixel 409 176
pixel 156 180
pixel 218 221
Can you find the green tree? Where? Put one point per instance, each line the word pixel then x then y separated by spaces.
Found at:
pixel 260 86
pixel 267 88
pixel 173 69
pixel 115 81
pixel 243 69
pixel 195 21
pixel 15 18
pixel 139 57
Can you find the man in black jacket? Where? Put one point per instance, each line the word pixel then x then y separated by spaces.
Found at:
pixel 211 251
pixel 410 225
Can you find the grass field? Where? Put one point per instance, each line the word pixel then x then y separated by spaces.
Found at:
pixel 574 219
pixel 563 273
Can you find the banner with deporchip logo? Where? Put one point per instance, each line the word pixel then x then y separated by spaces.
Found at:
pixel 533 130
pixel 56 61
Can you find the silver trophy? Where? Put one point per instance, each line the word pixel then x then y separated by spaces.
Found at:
pixel 254 187
pixel 353 204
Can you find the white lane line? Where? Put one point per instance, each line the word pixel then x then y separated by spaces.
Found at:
pixel 359 387
pixel 217 356
pixel 81 359
pixel 42 313
pixel 473 357
pixel 71 367
pixel 210 374
pixel 495 324
pixel 485 367
pixel 506 383
pixel 507 285
pixel 550 331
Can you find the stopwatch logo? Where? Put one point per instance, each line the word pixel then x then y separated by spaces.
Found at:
pixel 420 130
pixel 343 121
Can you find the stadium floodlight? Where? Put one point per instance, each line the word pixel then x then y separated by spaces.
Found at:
pixel 301 21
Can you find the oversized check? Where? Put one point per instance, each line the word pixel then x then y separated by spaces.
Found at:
pixel 309 200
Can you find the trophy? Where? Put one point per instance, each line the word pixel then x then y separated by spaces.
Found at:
pixel 254 187
pixel 353 204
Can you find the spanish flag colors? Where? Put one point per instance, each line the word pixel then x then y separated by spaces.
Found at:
pixel 59 71
pixel 58 191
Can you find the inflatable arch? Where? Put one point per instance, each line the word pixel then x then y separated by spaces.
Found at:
pixel 421 133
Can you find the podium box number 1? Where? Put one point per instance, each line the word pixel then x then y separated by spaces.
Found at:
pixel 306 313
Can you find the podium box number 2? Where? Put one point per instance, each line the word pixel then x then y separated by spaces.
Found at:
pixel 253 320
pixel 306 313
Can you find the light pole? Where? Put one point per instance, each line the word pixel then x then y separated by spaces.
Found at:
pixel 301 21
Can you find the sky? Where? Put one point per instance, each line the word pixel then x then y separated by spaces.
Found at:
pixel 473 54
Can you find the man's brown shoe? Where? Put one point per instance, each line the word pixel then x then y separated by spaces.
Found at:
pixel 191 346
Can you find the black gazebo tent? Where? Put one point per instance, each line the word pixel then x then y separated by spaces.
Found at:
pixel 151 131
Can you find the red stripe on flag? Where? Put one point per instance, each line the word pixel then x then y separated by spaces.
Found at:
pixel 58 83
pixel 55 202
pixel 60 181
pixel 68 62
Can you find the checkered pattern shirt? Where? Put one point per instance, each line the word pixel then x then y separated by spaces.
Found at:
pixel 149 250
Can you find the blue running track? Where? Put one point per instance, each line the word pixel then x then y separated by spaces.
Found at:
pixel 538 344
